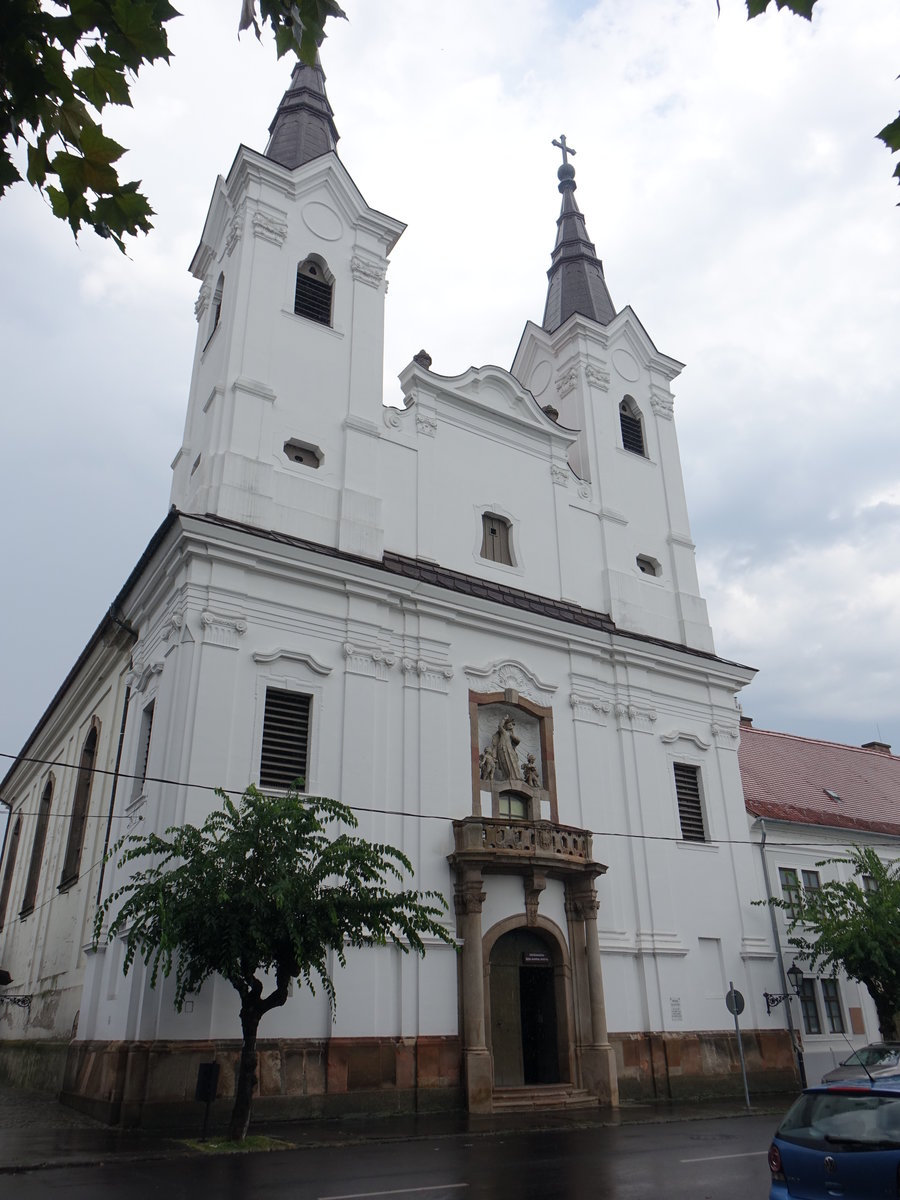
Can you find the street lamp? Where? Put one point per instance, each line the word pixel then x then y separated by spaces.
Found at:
pixel 795 979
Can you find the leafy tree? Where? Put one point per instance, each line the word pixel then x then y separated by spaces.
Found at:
pixel 890 135
pixel 853 926
pixel 263 888
pixel 62 62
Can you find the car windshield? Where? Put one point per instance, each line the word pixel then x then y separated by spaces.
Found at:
pixel 853 1118
pixel 872 1056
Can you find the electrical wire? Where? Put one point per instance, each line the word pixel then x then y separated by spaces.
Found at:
pixel 891 842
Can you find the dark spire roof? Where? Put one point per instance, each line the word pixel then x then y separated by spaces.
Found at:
pixel 303 127
pixel 576 277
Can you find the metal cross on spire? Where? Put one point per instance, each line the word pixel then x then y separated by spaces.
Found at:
pixel 561 145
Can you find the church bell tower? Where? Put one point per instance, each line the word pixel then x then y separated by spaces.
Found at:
pixel 286 389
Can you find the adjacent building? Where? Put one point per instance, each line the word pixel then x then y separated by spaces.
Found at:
pixel 808 802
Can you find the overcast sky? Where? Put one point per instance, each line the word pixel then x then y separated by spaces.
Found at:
pixel 733 186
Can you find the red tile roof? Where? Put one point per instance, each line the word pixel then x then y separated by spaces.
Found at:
pixel 785 778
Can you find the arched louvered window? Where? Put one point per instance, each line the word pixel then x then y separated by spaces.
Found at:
pixel 37 849
pixel 496 539
pixel 78 820
pixel 285 742
pixel 313 291
pixel 632 427
pixel 12 850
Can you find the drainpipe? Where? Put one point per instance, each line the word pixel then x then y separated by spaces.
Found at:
pixel 786 991
pixel 112 797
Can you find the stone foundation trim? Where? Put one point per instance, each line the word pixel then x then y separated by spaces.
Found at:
pixel 694 1066
pixel 151 1084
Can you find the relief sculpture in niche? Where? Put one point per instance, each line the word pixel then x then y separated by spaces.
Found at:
pixel 510 761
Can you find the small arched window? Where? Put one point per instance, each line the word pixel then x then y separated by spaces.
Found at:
pixel 496 539
pixel 37 849
pixel 632 427
pixel 313 290
pixel 78 821
pixel 11 852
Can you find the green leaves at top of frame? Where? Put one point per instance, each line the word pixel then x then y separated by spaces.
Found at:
pixel 803 8
pixel 890 135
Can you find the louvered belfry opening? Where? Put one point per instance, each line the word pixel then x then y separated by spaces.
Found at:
pixel 285 740
pixel 690 806
pixel 632 432
pixel 312 294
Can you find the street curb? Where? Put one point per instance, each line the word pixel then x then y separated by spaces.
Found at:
pixel 543 1123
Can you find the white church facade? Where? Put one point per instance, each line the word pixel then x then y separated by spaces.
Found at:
pixel 476 620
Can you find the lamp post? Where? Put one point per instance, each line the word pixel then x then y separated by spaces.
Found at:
pixel 795 978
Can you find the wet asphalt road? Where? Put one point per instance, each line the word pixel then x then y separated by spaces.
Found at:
pixel 700 1160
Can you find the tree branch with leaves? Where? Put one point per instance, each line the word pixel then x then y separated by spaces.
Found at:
pixel 64 62
pixel 267 889
pixel 852 925
pixel 890 135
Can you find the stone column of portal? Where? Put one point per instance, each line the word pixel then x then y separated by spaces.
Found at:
pixel 582 1034
pixel 468 900
pixel 600 1061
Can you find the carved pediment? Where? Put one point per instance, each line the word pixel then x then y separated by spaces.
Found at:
pixel 509 675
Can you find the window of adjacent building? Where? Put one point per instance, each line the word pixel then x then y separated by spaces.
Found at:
pixel 496 541
pixel 631 426
pixel 833 1011
pixel 869 884
pixel 285 740
pixel 790 891
pixel 12 851
pixel 37 849
pixel 513 806
pixel 313 291
pixel 809 1007
pixel 78 820
pixel 811 881
pixel 143 750
pixel 690 803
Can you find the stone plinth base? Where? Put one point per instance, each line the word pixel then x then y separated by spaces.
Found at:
pixel 688 1066
pixel 599 1074
pixel 479 1073
pixel 151 1084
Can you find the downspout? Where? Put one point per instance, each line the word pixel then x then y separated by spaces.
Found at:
pixel 786 992
pixel 112 797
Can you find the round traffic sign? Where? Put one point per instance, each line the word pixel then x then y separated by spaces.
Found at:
pixel 734 1002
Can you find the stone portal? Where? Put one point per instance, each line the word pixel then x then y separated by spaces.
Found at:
pixel 525 1036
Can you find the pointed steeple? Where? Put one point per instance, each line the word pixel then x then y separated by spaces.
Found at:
pixel 303 127
pixel 576 277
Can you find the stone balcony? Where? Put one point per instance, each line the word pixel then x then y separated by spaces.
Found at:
pixel 503 845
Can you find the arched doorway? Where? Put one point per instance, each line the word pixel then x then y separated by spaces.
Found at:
pixel 527 1001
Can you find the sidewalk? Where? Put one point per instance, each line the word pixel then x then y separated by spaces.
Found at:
pixel 36 1132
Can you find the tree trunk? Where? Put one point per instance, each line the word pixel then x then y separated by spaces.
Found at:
pixel 887 1008
pixel 246 1080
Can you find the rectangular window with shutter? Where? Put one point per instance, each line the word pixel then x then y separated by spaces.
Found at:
pixel 285 740
pixel 690 804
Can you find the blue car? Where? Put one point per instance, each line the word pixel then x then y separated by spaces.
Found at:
pixel 839 1140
